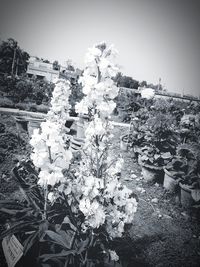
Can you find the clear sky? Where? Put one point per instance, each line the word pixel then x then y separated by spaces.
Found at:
pixel 155 38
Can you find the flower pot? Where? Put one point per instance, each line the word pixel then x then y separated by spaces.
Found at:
pixel 186 198
pixel 76 144
pixel 170 183
pixel 80 126
pixel 124 142
pixel 21 125
pixel 152 174
pixel 33 124
pixel 121 113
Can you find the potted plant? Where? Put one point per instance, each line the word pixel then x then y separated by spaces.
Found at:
pixel 132 138
pixel 152 161
pixel 190 179
pixel 190 190
pixel 125 141
pixel 173 172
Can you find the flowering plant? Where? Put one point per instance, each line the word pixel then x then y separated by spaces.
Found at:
pixel 147 93
pixel 82 210
pixel 103 199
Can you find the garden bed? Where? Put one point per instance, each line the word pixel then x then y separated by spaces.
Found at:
pixel 162 234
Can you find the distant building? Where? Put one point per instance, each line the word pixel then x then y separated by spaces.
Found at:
pixel 68 74
pixel 41 69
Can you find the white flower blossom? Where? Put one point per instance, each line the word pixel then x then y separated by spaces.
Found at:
pixel 102 198
pixel 49 150
pixel 147 93
pixel 113 255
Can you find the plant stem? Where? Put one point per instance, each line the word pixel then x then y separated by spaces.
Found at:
pixel 45 201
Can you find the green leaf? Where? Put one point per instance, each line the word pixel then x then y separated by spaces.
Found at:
pixel 20 226
pixel 46 257
pixel 83 245
pixel 67 221
pixel 195 194
pixel 61 238
pixel 166 155
pixel 68 237
pixel 156 156
pixel 30 241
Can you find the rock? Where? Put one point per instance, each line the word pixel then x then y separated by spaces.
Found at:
pixel 154 200
pixel 128 179
pixel 133 176
pixel 167 216
pixel 140 189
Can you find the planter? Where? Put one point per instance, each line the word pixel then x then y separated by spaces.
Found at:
pixel 152 174
pixel 124 142
pixel 33 124
pixel 76 144
pixel 186 198
pixel 21 125
pixel 170 182
pixel 122 112
pixel 81 126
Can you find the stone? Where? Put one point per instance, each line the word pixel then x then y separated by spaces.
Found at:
pixel 154 200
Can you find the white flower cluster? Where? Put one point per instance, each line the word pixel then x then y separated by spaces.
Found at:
pixel 102 198
pixel 113 255
pixel 97 82
pixel 49 153
pixel 105 200
pixel 59 110
pixel 147 93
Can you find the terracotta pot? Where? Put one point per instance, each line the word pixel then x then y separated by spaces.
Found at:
pixel 152 174
pixel 170 183
pixel 186 198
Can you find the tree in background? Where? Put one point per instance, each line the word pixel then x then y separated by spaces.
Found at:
pixel 13 60
pixel 56 65
pixel 126 81
pixel 143 84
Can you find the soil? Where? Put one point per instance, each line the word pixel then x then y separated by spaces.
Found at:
pixel 162 233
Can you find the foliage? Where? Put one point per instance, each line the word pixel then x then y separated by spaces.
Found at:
pixel 75 96
pixel 20 88
pixel 151 155
pixel 62 240
pixel 190 128
pixel 161 131
pixel 126 81
pixel 185 165
pixel 56 65
pixel 13 60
